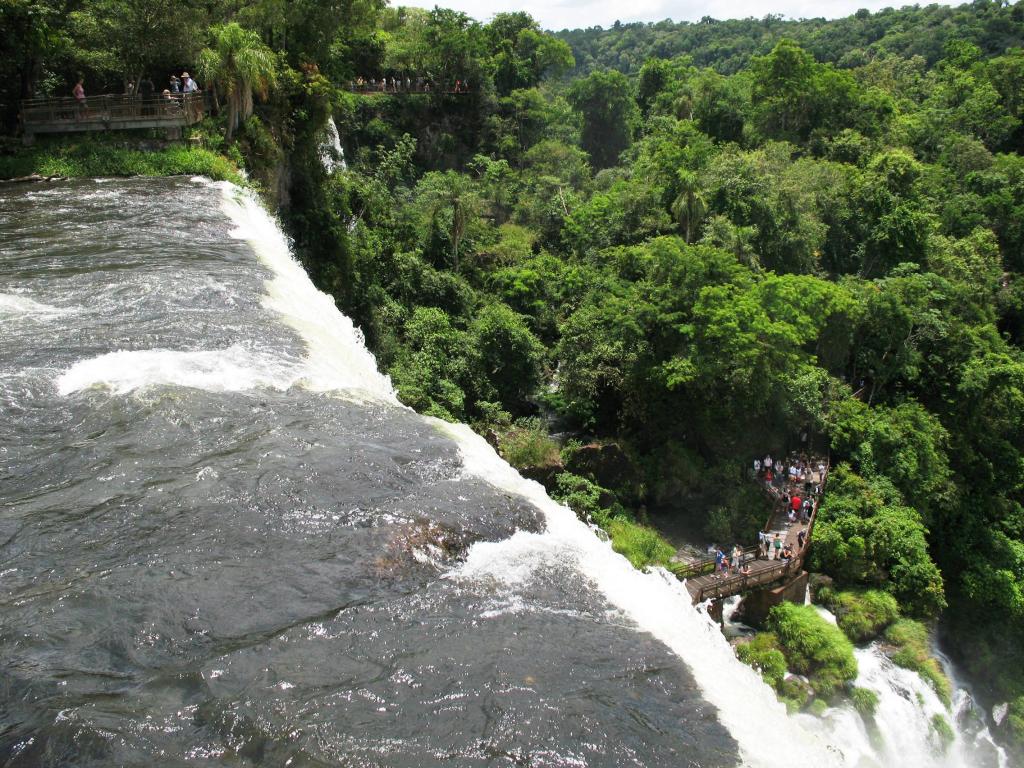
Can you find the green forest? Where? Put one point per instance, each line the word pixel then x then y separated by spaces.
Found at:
pixel 680 245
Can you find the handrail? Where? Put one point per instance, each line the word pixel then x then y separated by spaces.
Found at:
pixel 105 109
pixel 738 583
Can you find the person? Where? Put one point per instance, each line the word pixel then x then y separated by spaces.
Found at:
pixel 787 554
pixel 175 84
pixel 79 93
pixel 768 461
pixel 805 511
pixel 719 562
pixel 745 570
pixel 801 538
pixel 757 467
pixel 188 85
pixel 146 94
pixel 129 89
pixel 794 506
pixel 737 556
pixel 777 546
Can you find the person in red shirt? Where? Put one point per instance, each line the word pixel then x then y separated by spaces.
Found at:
pixel 794 507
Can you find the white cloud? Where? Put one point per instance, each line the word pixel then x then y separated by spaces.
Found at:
pixel 571 14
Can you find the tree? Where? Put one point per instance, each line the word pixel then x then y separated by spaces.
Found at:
pixel 689 206
pixel 449 201
pixel 605 101
pixel 238 63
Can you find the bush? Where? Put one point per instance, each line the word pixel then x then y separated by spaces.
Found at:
pixel 641 545
pixel 942 729
pixel 862 615
pixel 100 158
pixel 527 444
pixel 583 497
pixel 913 652
pixel 865 701
pixel 763 654
pixel 813 646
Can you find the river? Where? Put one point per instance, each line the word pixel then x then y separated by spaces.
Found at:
pixel 224 541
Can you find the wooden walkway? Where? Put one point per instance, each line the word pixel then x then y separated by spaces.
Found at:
pixel 704 584
pixel 110 112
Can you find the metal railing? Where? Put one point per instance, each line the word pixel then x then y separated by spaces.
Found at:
pixel 742 582
pixel 111 110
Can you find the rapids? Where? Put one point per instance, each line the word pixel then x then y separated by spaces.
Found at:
pixel 223 540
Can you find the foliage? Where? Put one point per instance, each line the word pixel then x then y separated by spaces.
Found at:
pixel 913 651
pixel 238 64
pixel 865 701
pixel 813 647
pixel 862 615
pixel 943 730
pixel 527 444
pixel 96 158
pixel 640 544
pixel 762 652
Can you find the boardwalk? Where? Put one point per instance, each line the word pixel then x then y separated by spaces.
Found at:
pixel 704 584
pixel 403 89
pixel 110 112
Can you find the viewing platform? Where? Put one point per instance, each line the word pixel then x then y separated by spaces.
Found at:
pixel 400 89
pixel 703 583
pixel 111 112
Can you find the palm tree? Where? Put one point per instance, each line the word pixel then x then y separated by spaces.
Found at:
pixel 690 206
pixel 449 194
pixel 238 64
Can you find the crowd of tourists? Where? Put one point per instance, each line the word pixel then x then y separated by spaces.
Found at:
pixel 405 84
pixel 796 484
pixel 144 91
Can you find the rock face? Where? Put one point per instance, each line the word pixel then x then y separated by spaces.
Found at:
pixel 608 465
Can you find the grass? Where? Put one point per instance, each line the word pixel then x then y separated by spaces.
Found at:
pixel 96 157
pixel 527 444
pixel 942 729
pixel 813 647
pixel 864 701
pixel 641 545
pixel 913 651
pixel 861 614
pixel 762 653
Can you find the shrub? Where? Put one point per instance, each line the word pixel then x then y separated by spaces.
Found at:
pixel 527 444
pixel 865 701
pixel 862 615
pixel 942 729
pixel 912 652
pixel 763 654
pixel 99 158
pixel 813 646
pixel 641 545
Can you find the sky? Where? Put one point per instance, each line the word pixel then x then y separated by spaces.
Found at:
pixel 570 14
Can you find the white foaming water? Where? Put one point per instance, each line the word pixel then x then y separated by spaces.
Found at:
pixel 337 358
pixel 332 155
pixel 224 370
pixel 902 732
pixel 14 305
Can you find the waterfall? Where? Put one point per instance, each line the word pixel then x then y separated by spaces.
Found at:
pixel 206 474
pixel 332 154
pixel 656 603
